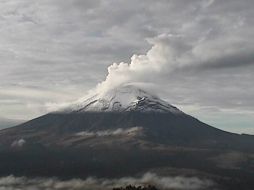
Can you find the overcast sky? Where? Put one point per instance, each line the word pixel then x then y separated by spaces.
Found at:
pixel 197 54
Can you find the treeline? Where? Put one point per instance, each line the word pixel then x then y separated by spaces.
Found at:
pixel 130 187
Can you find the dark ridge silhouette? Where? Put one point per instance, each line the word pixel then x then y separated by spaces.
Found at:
pixel 133 187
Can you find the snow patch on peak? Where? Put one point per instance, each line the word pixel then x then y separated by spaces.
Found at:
pixel 123 98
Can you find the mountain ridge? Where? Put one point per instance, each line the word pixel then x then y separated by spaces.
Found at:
pixel 84 142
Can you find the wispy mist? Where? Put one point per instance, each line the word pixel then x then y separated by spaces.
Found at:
pixel 116 132
pixel 163 183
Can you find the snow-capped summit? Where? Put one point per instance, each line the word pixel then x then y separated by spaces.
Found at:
pixel 124 98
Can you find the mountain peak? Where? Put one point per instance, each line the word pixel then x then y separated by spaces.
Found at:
pixel 124 98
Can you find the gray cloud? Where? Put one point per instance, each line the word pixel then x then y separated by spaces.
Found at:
pixel 164 183
pixel 53 51
pixel 244 59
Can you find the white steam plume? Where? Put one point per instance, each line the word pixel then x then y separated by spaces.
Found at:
pixel 167 53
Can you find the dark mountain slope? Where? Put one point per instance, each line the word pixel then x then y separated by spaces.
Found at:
pixel 124 132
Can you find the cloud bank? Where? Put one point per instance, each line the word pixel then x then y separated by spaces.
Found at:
pixel 163 183
pixel 116 132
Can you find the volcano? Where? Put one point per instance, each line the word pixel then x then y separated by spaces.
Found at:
pixel 124 131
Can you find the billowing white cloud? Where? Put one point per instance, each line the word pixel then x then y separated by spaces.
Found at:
pixel 178 53
pixel 161 59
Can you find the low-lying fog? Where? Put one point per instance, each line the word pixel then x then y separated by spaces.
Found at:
pixel 91 183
